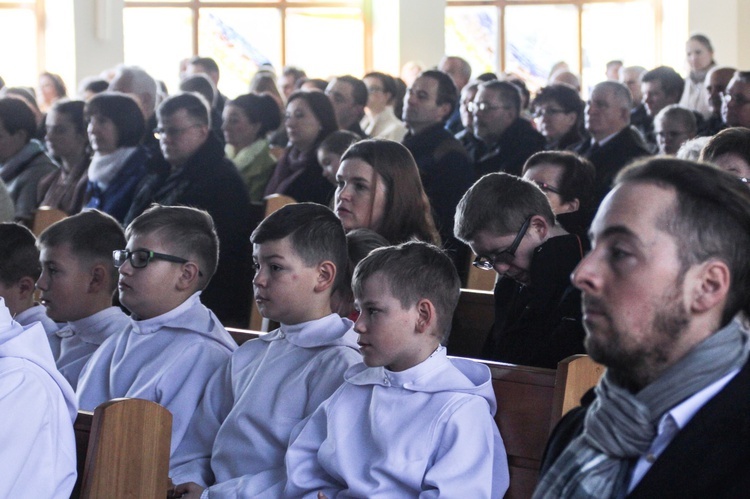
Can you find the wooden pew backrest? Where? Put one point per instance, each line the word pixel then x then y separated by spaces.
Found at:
pixel 44 217
pixel 472 321
pixel 127 453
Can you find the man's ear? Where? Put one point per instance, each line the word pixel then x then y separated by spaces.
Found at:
pixel 712 286
pixel 190 273
pixel 445 110
pixel 539 226
pixel 26 287
pixel 326 276
pixel 99 278
pixel 426 316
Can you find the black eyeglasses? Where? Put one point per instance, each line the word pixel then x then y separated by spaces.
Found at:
pixel 541 112
pixel 505 256
pixel 140 258
pixel 547 188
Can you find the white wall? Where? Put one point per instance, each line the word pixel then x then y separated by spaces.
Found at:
pixel 97 25
pixel 725 23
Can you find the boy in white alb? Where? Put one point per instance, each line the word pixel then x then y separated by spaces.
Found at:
pixel 37 410
pixel 409 421
pixel 238 436
pixel 19 270
pixel 77 283
pixel 173 344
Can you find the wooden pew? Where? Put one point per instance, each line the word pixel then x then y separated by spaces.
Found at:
pixel 472 321
pixel 123 450
pixel 44 217
pixel 529 405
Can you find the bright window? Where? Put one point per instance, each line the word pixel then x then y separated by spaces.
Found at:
pixel 18 28
pixel 242 35
pixel 527 37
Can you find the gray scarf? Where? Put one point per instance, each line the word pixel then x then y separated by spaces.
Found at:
pixel 620 426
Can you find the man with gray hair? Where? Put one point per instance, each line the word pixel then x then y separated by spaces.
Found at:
pixel 460 72
pixel 613 142
pixel 630 76
pixel 138 83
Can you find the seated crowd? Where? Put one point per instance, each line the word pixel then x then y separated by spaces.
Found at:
pixel 641 262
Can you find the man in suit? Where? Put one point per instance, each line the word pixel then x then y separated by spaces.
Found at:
pixel 613 142
pixel 663 290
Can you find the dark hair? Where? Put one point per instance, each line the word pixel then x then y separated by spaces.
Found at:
pixel 123 111
pixel 19 256
pixel 200 84
pixel 26 94
pixel 564 96
pixel 446 91
pixel 294 72
pixel 359 243
pixel 735 140
pixel 194 104
pixel 359 89
pixel 16 116
pixel 339 141
pixel 386 81
pixel 577 179
pixel 91 235
pixel 671 82
pixel 259 109
pixel 57 82
pixel 407 213
pixel 523 89
pixel 703 40
pixel 96 86
pixel 398 99
pixel 709 220
pixel 187 231
pixel 314 232
pixel 208 63
pixel 73 109
pixel 321 107
pixel 509 94
pixel 414 271
pixel 499 203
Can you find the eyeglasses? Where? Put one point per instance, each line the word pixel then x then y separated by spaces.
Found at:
pixel 671 134
pixel 541 113
pixel 473 107
pixel 372 90
pixel 546 187
pixel 738 99
pixel 140 258
pixel 173 131
pixel 505 256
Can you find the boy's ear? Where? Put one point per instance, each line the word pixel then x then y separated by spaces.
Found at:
pixel 326 276
pixel 26 287
pixel 190 273
pixel 99 278
pixel 426 316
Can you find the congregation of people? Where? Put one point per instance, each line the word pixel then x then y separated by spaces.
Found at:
pixel 617 226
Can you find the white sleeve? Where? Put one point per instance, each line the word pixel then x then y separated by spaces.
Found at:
pixel 470 458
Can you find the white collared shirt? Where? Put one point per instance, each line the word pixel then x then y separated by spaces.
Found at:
pixel 672 422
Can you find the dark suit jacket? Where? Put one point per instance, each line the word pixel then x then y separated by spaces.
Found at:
pixel 516 145
pixel 610 158
pixel 710 457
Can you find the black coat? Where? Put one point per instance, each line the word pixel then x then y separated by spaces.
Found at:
pixel 610 158
pixel 517 143
pixel 710 457
pixel 539 324
pixel 210 181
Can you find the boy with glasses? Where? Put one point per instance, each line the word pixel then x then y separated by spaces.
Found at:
pixel 76 286
pixel 173 344
pixel 509 224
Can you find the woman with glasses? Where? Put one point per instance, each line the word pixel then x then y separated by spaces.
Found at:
pixel 730 151
pixel 558 114
pixel 567 180
pixel 309 119
pixel 115 128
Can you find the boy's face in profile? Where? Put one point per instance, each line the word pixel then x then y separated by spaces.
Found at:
pixel 152 290
pixel 283 283
pixel 64 283
pixel 387 331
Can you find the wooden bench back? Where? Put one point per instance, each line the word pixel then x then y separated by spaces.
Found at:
pixel 44 217
pixel 472 321
pixel 123 450
pixel 529 406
